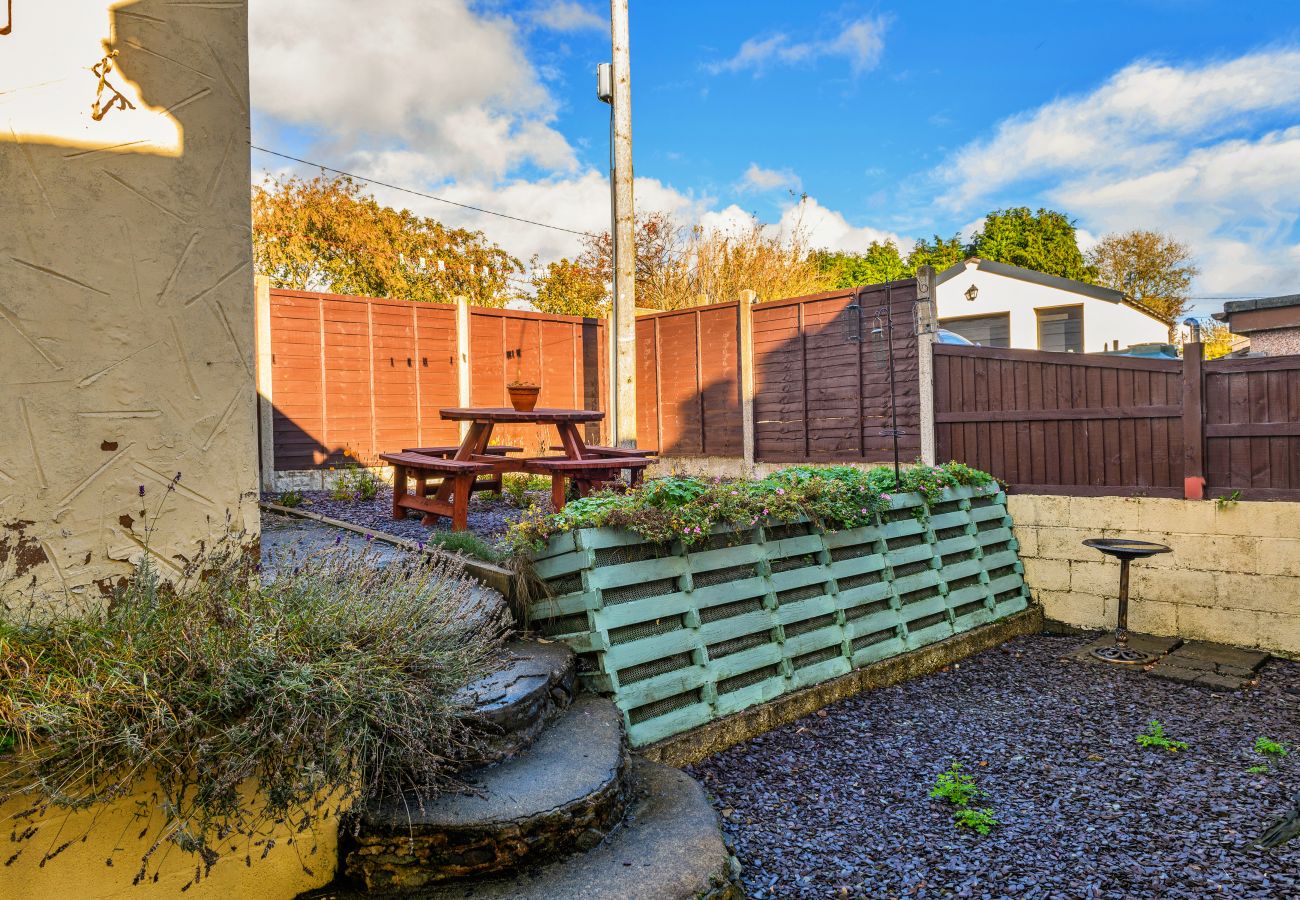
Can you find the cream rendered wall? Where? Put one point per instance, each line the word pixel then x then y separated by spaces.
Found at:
pixel 126 313
pixel 1233 576
pixel 1103 322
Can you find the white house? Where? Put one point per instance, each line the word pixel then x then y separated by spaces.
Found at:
pixel 997 305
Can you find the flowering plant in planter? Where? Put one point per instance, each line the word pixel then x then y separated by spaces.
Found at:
pixel 332 679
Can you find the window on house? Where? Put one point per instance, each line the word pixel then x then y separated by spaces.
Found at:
pixel 1061 329
pixel 987 331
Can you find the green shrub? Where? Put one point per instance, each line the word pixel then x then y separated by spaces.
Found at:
pixel 335 680
pixel 979 820
pixel 690 509
pixel 355 483
pixel 291 498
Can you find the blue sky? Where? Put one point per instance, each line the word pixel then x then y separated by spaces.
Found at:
pixel 895 120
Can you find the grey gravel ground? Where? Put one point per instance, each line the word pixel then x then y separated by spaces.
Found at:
pixel 837 805
pixel 488 518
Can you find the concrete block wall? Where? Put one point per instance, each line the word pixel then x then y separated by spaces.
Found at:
pixel 1233 575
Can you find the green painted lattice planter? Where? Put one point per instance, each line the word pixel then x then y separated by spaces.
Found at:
pixel 681 636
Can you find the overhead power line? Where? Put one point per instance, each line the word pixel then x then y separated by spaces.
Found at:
pixel 404 190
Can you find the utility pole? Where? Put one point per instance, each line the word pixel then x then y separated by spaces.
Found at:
pixel 623 319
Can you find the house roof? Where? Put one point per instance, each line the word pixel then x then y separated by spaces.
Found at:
pixel 1083 288
pixel 1240 306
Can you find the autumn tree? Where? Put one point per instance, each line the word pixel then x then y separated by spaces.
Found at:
pixel 1154 269
pixel 328 235
pixel 568 288
pixel 677 267
pixel 1216 340
pixel 1044 241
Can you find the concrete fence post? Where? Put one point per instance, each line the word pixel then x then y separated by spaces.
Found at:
pixel 926 328
pixel 745 360
pixel 265 399
pixel 462 357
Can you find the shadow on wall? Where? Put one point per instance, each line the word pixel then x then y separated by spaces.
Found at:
pixel 125 318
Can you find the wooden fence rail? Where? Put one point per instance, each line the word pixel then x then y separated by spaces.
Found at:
pixel 1099 425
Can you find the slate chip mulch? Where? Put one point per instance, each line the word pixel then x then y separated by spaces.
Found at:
pixel 837 805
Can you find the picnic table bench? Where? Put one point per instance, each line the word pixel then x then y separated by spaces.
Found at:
pixel 490 483
pixel 457 476
pixel 589 474
pixel 459 471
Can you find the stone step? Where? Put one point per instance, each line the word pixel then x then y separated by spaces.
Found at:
pixel 514 704
pixel 669 847
pixel 562 795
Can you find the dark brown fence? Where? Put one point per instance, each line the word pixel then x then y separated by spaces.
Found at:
pixel 1070 423
pixel 353 377
pixel 1252 426
pixel 821 378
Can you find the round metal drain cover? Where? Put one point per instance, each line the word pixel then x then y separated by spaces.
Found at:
pixel 1122 655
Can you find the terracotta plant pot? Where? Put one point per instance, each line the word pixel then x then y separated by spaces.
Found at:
pixel 523 397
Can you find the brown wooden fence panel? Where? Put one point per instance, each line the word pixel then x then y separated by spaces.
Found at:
pixel 822 369
pixel 299 410
pixel 1047 422
pixel 435 327
pixel 688 388
pixel 1066 423
pixel 1252 426
pixel 353 377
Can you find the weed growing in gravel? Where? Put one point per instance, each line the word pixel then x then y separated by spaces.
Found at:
pixel 960 789
pixel 978 820
pixel 466 542
pixel 516 487
pixel 956 788
pixel 1271 748
pixel 355 483
pixel 291 498
pixel 1155 737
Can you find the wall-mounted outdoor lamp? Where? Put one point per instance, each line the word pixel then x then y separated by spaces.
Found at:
pixel 972 292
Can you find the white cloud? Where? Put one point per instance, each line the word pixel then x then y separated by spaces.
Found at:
pixel 423 76
pixel 861 42
pixel 1206 153
pixel 564 15
pixel 1145 114
pixel 829 229
pixel 439 96
pixel 760 180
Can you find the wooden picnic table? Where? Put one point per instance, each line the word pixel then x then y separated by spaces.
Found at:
pixel 588 466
